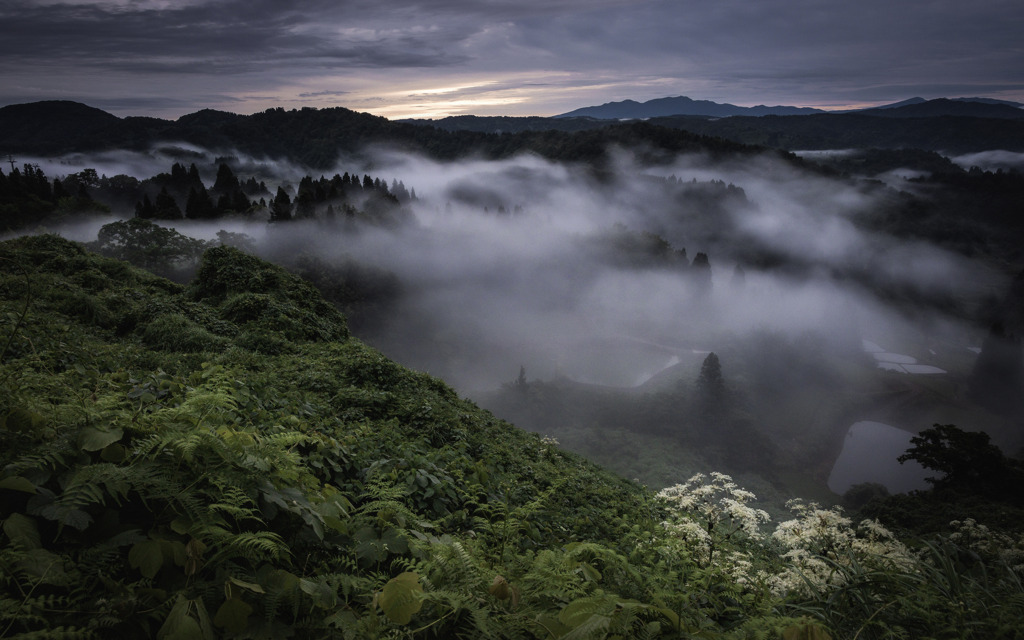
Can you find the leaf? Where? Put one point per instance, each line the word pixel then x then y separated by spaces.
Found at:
pixel 22 531
pixel 147 557
pixel 17 483
pixel 114 453
pixel 233 615
pixel 179 625
pixel 94 439
pixel 578 611
pixel 322 594
pixel 251 586
pixel 400 598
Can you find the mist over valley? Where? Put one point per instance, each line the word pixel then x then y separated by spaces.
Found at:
pixel 580 298
pixel 736 334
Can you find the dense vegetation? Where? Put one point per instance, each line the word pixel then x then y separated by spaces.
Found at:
pixel 222 459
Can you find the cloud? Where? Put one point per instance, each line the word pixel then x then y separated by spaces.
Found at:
pixel 776 51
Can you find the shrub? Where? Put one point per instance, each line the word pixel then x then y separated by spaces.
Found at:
pixel 175 332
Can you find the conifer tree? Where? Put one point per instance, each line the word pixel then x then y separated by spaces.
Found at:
pixel 281 206
pixel 166 206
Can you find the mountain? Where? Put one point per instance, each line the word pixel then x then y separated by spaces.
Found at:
pixel 679 106
pixel 316 137
pixel 894 105
pixel 49 124
pixel 1019 105
pixel 917 108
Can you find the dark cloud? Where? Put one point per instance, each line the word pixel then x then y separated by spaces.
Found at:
pixel 522 56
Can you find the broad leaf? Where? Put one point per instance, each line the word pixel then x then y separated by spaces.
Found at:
pixel 94 439
pixel 147 557
pixel 22 531
pixel 400 598
pixel 17 483
pixel 233 615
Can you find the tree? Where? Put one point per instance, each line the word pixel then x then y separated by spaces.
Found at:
pixel 199 204
pixel 150 246
pixel 710 383
pixel 145 208
pixel 226 181
pixel 520 384
pixel 281 206
pixel 166 206
pixel 710 401
pixel 967 460
pixel 700 272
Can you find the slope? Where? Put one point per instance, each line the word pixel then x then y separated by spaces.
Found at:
pixel 224 458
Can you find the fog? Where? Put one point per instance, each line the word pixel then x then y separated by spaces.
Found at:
pixel 516 262
pixel 991 160
pixel 545 266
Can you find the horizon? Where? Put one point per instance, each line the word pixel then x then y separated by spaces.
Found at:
pixel 120 113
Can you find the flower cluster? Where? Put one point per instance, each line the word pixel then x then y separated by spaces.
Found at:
pixel 706 512
pixel 548 447
pixel 820 543
pixel 989 544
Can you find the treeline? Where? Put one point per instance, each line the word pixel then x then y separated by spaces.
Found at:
pixel 28 196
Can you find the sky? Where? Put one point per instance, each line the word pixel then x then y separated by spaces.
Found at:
pixel 435 58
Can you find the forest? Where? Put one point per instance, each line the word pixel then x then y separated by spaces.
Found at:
pixel 406 382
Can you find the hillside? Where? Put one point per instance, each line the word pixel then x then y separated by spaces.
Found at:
pixel 163 444
pixel 223 460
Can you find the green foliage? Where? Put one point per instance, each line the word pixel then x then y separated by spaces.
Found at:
pixel 188 464
pixel 158 249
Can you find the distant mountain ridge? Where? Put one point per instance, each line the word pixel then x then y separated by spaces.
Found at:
pixel 683 106
pixel 680 106
pixel 964 107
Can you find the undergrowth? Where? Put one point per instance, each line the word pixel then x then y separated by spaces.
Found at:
pixel 224 460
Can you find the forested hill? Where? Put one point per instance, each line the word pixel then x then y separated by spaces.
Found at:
pixel 316 137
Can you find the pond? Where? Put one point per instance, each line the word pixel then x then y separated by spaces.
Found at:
pixel 869 454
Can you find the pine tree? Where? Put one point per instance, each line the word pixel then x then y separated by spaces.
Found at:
pixel 700 272
pixel 711 397
pixel 166 206
pixel 226 182
pixel 281 207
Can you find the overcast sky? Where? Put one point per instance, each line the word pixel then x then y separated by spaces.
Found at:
pixel 432 58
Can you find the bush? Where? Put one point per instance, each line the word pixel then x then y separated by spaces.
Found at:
pixel 175 332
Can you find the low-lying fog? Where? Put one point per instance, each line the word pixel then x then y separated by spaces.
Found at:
pixel 516 263
pixel 586 276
